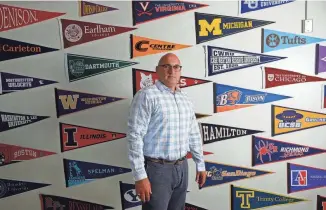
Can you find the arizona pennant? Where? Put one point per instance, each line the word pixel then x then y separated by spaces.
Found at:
pixel 227 98
pixel 129 198
pixel 321 202
pixel 249 6
pixel 189 155
pixel 189 206
pixel 87 8
pixel 212 26
pixel 320 59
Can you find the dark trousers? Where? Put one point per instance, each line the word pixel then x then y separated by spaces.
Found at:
pixel 169 184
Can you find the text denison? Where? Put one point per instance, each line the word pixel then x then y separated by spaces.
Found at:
pixel 15 17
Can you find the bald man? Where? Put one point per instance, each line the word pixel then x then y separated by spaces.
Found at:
pixel 162 129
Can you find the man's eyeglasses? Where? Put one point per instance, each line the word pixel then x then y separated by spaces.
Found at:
pixel 168 66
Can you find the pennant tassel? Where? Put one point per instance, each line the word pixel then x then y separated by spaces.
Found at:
pixel 131 47
pixel 205 61
pixel 317 59
pixel 66 69
pixel 0 83
pixel 60 35
pixel 323 87
pixel 263 77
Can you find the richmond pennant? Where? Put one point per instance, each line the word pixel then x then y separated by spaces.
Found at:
pixel 87 8
pixel 255 5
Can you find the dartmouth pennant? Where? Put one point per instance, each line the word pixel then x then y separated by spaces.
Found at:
pixel 81 67
pixel 265 150
pixel 248 198
pixel 14 82
pixel 212 26
pixel 249 6
pixel 288 120
pixel 129 198
pixel 221 60
pixel 75 136
pixel 277 40
pixel 320 59
pixel 87 8
pixel 68 102
pixel 227 98
pixel 214 132
pixel 321 202
pixel 146 11
pixel 81 172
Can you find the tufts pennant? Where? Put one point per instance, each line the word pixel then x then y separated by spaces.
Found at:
pixel 87 8
pixel 321 202
pixel 249 6
pixel 320 59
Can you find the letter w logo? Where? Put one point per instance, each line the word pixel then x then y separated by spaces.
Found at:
pixel 69 101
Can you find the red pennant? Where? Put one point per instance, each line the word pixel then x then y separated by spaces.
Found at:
pixel 189 155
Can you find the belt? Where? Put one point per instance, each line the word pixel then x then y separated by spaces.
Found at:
pixel 162 161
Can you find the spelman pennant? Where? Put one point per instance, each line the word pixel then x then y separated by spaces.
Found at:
pixel 247 198
pixel 249 5
pixel 320 59
pixel 221 60
pixel 211 26
pixel 227 98
pixel 265 150
pixel 276 40
pixel 76 32
pixel 89 8
pixel 142 46
pixel 321 202
pixel 16 17
pixel 145 11
pixel 288 120
pixel 81 67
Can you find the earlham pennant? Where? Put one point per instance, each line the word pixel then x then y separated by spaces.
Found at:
pixel 288 120
pixel 13 17
pixel 89 8
pixel 142 46
pixel 76 32
pixel 321 202
pixel 266 150
pixel 320 59
pixel 75 136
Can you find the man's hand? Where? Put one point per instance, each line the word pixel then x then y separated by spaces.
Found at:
pixel 201 178
pixel 143 189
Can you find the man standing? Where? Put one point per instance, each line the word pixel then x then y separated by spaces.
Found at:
pixel 162 128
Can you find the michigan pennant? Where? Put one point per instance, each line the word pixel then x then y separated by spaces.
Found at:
pixel 265 150
pixel 227 98
pixel 277 40
pixel 221 60
pixel 249 6
pixel 321 202
pixel 146 11
pixel 288 120
pixel 81 67
pixel 87 8
pixel 129 198
pixel 212 26
pixel 189 206
pixel 320 59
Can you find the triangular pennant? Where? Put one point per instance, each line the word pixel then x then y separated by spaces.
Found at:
pixel 221 60
pixel 189 206
pixel 274 77
pixel 16 17
pixel 276 40
pixel 143 78
pixel 10 154
pixel 15 82
pixel 218 173
pixel 212 26
pixel 189 155
pixel 142 46
pixel 227 97
pixel 265 151
pixel 145 11
pixel 129 198
pixel 81 67
pixel 81 172
pixel 215 132
pixel 89 8
pixel 288 120
pixel 68 102
pixel 9 120
pixel 201 115
pixel 75 136
pixel 249 6
pixel 9 187
pixel 321 202
pixel 249 198
pixel 75 32
pixel 12 49
pixel 320 59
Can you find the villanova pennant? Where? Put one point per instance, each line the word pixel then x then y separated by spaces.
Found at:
pixel 320 59
pixel 265 150
pixel 249 6
pixel 227 98
pixel 129 198
pixel 211 26
pixel 89 8
pixel 221 60
pixel 321 202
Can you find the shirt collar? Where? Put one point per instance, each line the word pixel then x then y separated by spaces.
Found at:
pixel 163 87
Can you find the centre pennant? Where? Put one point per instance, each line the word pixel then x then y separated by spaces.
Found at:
pixel 321 202
pixel 87 8
pixel 228 98
pixel 320 59
pixel 221 60
pixel 288 120
pixel 249 6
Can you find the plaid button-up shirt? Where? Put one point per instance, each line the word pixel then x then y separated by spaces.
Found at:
pixel 162 124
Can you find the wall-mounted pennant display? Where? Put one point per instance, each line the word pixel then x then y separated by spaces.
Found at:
pixel 227 98
pixel 80 67
pixel 75 136
pixel 189 155
pixel 129 198
pixel 68 102
pixel 9 120
pixel 89 8
pixel 16 17
pixel 276 40
pixel 75 32
pixel 12 49
pixel 214 132
pixel 249 6
pixel 321 202
pixel 288 120
pixel 221 60
pixel 189 206
pixel 15 82
pixel 249 198
pixel 142 46
pixel 320 59
pixel 145 11
pixel 265 151
pixel 81 172
pixel 212 26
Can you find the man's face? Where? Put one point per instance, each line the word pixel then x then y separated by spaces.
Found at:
pixel 169 71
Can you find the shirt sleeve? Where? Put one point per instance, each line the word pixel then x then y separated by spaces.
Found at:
pixel 138 120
